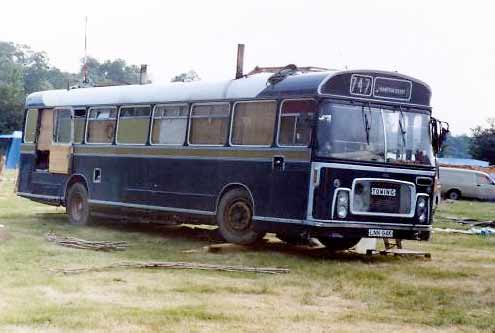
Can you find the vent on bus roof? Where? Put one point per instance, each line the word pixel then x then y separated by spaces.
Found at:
pixel 280 73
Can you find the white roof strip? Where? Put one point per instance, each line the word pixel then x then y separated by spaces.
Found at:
pixel 169 92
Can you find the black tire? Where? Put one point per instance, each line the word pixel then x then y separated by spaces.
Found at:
pixel 454 195
pixel 77 206
pixel 338 244
pixel 235 218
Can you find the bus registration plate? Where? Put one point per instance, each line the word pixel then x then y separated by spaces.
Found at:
pixel 381 233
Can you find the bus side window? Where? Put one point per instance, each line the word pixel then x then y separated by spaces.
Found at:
pixel 31 125
pixel 253 123
pixel 79 122
pixel 209 124
pixel 296 121
pixel 133 125
pixel 101 124
pixel 169 124
pixel 63 126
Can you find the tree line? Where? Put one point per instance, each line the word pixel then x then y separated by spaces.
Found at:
pixel 479 145
pixel 23 71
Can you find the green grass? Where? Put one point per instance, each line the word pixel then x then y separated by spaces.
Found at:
pixel 343 292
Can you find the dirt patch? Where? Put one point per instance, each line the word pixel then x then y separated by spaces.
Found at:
pixel 4 235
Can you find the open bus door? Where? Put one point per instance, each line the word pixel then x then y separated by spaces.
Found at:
pixel 62 149
pixel 54 145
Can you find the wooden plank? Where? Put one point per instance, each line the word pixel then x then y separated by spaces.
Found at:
pixel 46 130
pixel 60 159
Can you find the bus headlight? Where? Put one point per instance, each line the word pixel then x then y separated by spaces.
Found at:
pixel 422 209
pixel 342 204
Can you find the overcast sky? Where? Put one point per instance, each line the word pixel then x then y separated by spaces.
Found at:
pixel 448 44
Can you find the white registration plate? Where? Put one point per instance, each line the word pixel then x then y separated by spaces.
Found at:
pixel 382 233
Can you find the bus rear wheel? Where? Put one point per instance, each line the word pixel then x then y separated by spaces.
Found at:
pixel 235 218
pixel 338 244
pixel 77 205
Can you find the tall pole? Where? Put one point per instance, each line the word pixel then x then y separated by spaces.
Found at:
pixel 85 65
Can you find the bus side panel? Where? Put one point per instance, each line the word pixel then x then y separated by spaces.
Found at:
pixel 289 192
pixel 49 184
pixel 26 167
pixel 40 183
pixel 113 174
pixel 195 183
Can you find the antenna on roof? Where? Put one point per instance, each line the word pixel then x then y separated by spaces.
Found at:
pixel 85 65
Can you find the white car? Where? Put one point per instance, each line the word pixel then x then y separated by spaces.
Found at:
pixel 457 183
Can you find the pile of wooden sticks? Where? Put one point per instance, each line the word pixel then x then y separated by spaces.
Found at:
pixel 173 265
pixel 86 244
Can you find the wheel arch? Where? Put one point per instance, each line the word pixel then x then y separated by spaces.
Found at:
pixel 228 187
pixel 76 178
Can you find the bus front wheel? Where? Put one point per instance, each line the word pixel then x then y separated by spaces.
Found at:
pixel 235 218
pixel 77 205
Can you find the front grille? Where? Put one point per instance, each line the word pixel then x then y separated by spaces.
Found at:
pixel 382 197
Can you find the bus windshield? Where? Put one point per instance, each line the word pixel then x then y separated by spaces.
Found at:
pixel 365 133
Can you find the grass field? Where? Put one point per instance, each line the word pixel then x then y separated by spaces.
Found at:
pixel 454 292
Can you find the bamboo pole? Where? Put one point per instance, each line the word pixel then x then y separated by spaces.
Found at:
pixel 173 265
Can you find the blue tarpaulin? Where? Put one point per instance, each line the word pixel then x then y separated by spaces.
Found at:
pixel 463 161
pixel 10 147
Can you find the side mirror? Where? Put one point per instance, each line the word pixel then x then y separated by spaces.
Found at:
pixel 439 132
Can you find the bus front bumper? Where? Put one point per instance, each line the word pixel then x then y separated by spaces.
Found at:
pixel 371 231
pixel 341 229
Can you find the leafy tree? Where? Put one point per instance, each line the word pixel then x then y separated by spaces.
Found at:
pixel 111 72
pixel 483 143
pixel 186 77
pixel 11 87
pixel 456 147
pixel 23 71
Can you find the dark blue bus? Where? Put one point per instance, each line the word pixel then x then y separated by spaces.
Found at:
pixel 336 155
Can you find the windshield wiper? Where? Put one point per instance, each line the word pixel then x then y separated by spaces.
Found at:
pixel 367 124
pixel 403 132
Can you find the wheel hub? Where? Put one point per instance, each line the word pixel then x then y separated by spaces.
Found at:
pixel 239 215
pixel 77 207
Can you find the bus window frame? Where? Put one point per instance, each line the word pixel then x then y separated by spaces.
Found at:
pixel 315 115
pixel 55 126
pixel 232 122
pixel 118 122
pixel 190 122
pixel 75 109
pixel 88 120
pixel 186 132
pixel 36 127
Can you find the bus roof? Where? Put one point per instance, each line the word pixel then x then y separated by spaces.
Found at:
pixel 309 84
